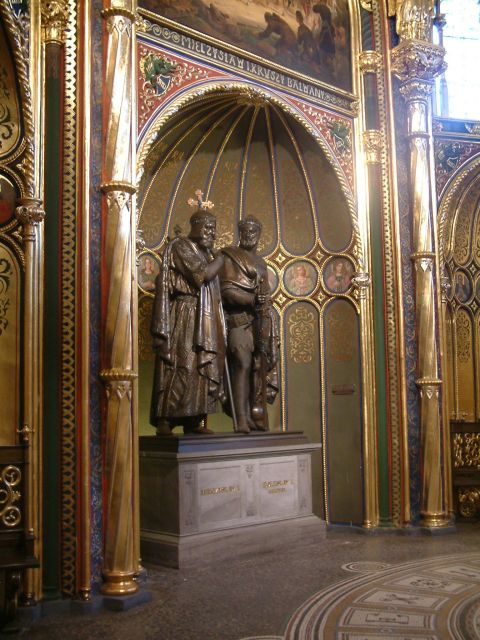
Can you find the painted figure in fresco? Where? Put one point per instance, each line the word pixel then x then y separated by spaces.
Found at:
pixel 252 331
pixel 300 281
pixel 325 37
pixel 340 277
pixel 286 42
pixel 188 330
pixel 147 275
pixel 305 40
pixel 462 287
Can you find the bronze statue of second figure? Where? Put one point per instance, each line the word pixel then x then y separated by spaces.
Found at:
pixel 214 331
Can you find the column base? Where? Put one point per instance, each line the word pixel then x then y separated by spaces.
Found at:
pixel 436 521
pixel 119 584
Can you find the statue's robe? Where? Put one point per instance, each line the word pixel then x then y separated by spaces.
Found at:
pixel 190 337
pixel 249 273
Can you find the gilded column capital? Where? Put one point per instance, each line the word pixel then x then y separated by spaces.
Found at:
pixel 429 387
pixel 118 185
pixel 29 213
pixel 114 11
pixel 361 280
pixel 373 142
pixel 54 21
pixel 369 61
pixel 414 60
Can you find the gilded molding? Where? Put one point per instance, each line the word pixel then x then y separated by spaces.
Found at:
pixel 373 142
pixel 119 375
pixel 395 343
pixel 112 12
pixel 54 21
pixel 369 61
pixel 118 185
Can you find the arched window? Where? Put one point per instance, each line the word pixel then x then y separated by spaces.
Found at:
pixel 458 93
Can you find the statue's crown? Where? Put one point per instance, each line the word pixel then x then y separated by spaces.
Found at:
pixel 198 201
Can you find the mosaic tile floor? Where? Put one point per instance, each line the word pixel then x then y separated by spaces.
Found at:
pixel 349 587
pixel 428 600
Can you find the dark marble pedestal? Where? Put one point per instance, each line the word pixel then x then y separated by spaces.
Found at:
pixel 205 499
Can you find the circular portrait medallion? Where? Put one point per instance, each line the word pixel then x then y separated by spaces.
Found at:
pixel 300 278
pixel 337 275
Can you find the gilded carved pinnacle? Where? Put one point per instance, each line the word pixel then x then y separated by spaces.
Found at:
pixel 369 61
pixel 414 19
pixel 373 144
pixel 413 60
pixel 54 21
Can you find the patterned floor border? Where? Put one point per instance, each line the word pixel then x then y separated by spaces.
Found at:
pixel 434 599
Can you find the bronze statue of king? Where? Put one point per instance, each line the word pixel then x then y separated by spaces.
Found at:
pixel 188 329
pixel 253 338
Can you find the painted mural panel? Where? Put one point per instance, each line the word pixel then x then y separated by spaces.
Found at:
pixel 310 37
pixel 10 336
pixel 465 366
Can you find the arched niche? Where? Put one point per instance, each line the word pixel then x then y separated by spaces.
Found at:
pixel 250 153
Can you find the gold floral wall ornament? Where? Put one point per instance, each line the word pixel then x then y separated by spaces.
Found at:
pixel 6 272
pixel 466 450
pixel 54 21
pixel 468 501
pixel 301 328
pixel 10 478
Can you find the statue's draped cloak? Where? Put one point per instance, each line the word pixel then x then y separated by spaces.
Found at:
pixel 189 329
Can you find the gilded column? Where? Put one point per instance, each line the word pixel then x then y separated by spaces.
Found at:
pixel 30 214
pixel 416 62
pixel 120 561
